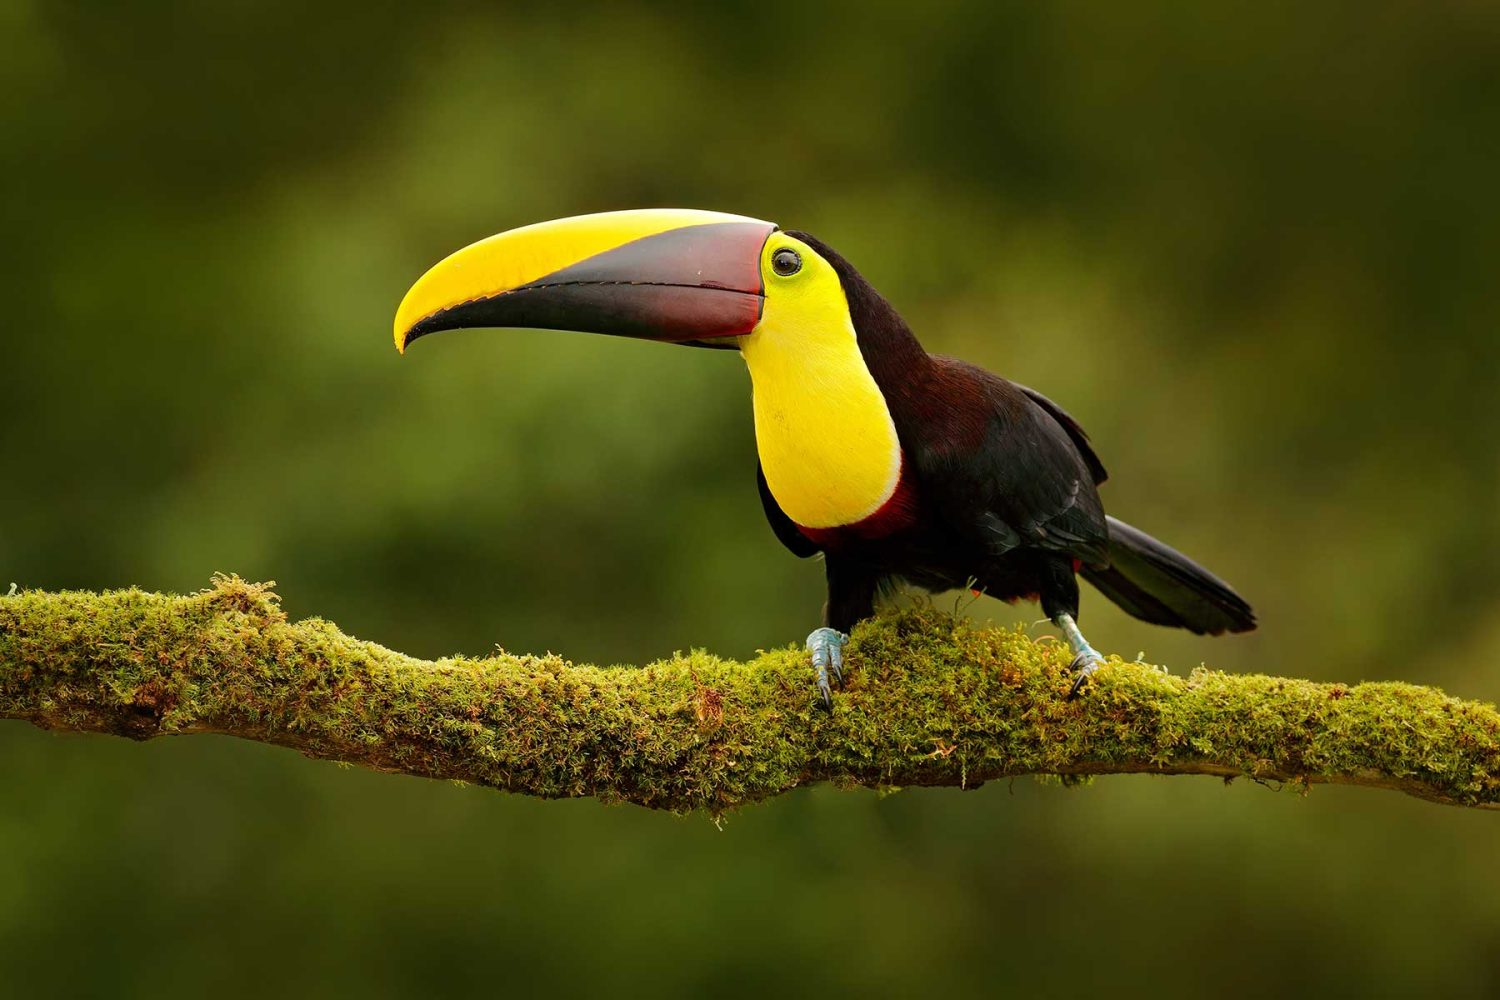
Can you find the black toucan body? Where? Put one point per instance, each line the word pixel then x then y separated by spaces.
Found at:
pixel 896 465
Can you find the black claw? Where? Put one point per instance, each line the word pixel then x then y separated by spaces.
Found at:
pixel 1084 666
pixel 828 658
pixel 824 691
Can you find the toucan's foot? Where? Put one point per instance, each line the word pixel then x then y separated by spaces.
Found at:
pixel 1086 658
pixel 827 648
pixel 1083 666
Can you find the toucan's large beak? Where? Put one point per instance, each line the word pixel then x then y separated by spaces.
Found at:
pixel 658 274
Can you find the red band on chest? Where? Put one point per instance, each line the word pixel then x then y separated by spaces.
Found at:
pixel 898 512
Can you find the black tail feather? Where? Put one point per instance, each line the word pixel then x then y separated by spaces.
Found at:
pixel 1156 583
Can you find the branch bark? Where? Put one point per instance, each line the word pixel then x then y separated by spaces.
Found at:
pixel 930 700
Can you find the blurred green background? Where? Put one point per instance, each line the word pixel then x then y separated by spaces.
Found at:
pixel 1252 246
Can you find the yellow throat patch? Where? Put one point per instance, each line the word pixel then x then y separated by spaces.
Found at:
pixel 826 440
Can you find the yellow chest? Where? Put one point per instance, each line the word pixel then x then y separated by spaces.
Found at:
pixel 827 444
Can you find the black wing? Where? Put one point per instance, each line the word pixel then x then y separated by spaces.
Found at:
pixel 1006 467
pixel 1076 433
pixel 786 530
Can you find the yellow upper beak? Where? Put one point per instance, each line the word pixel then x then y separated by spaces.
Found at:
pixel 614 282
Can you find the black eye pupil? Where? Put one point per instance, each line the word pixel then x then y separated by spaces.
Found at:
pixel 786 262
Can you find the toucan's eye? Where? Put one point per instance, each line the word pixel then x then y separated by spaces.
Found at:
pixel 786 262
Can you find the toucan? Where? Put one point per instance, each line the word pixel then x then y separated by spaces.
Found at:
pixel 896 465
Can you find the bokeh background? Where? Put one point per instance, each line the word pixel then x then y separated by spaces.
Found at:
pixel 1252 246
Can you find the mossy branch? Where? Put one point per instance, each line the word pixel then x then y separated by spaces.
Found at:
pixel 930 701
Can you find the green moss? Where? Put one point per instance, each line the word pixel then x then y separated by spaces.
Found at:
pixel 930 700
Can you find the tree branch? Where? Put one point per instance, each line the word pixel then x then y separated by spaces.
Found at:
pixel 930 700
